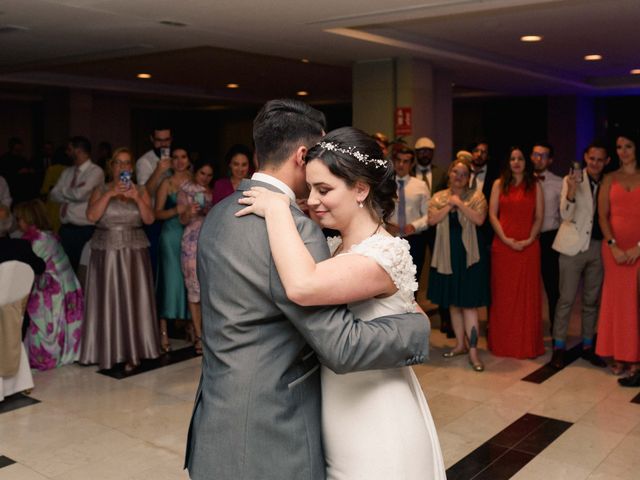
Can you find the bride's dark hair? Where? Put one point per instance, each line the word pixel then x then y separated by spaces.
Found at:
pixel 353 155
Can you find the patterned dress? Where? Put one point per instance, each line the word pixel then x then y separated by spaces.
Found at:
pixel 55 306
pixel 193 193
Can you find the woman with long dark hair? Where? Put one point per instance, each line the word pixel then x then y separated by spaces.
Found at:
pixel 376 424
pixel 619 212
pixel 196 195
pixel 516 210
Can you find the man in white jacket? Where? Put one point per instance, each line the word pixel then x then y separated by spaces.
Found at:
pixel 578 241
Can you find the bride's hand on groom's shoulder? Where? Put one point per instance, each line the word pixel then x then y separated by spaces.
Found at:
pixel 259 200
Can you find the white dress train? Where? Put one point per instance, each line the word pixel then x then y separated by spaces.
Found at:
pixel 376 424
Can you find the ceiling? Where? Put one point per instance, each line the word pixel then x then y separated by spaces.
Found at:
pixel 194 48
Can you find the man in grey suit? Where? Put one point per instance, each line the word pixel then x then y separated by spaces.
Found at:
pixel 257 408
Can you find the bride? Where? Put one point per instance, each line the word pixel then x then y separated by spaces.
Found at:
pixel 376 424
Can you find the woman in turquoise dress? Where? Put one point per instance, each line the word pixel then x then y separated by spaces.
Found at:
pixel 459 272
pixel 56 303
pixel 197 195
pixel 170 289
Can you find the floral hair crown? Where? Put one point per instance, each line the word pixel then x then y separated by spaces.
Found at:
pixel 361 157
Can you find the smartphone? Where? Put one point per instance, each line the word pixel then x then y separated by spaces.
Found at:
pixel 125 177
pixel 198 198
pixel 165 152
pixel 576 171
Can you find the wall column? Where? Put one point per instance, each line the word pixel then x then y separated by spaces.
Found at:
pixel 382 85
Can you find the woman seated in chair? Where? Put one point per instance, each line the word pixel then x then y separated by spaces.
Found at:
pixel 56 301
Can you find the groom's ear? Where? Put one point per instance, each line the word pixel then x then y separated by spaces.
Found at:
pixel 301 153
pixel 362 190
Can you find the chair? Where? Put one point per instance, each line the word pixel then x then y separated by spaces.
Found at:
pixel 16 280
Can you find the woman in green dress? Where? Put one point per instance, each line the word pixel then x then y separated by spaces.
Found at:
pixel 458 276
pixel 170 290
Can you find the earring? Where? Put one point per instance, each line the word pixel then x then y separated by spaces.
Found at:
pixel 361 205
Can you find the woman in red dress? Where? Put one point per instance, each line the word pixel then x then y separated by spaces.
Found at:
pixel 619 214
pixel 516 210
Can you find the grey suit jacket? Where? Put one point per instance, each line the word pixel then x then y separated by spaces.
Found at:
pixel 257 408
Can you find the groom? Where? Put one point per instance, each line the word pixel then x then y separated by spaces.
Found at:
pixel 257 408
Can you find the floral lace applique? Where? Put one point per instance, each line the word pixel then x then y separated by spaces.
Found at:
pixel 392 254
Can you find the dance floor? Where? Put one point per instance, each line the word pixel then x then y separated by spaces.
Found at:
pixel 516 420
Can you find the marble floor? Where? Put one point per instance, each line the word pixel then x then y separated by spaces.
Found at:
pixel 88 425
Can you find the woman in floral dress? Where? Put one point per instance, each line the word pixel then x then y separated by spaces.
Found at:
pixel 197 196
pixel 56 301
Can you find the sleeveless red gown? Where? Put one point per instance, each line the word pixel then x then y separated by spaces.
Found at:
pixel 619 321
pixel 515 316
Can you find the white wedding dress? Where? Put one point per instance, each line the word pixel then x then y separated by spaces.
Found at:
pixel 376 425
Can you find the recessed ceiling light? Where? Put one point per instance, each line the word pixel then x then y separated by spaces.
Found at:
pixel 635 71
pixel 302 93
pixel 144 75
pixel 305 60
pixel 530 38
pixel 233 85
pixel 593 57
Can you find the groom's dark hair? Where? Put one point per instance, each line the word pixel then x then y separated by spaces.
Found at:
pixel 281 126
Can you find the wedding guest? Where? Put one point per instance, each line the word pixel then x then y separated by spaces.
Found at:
pixel 409 218
pixel 120 323
pixel 516 210
pixel 542 158
pixel 72 191
pixel 197 197
pixel 59 162
pixel 170 289
pixel 237 160
pixel 457 279
pixel 579 242
pixel 619 212
pixel 56 301
pixel 151 168
pixel 16 248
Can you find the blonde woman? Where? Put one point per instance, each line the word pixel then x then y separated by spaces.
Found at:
pixel 120 316
pixel 458 277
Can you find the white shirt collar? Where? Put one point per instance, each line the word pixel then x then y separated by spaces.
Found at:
pixel 421 169
pixel 84 166
pixel 279 184
pixel 405 178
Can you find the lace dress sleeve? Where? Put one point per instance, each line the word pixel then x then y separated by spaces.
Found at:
pixel 392 254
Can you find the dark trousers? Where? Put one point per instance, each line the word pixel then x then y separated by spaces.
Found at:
pixel 73 238
pixel 417 248
pixel 550 271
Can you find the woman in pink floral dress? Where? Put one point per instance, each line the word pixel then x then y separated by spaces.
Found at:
pixel 56 300
pixel 198 196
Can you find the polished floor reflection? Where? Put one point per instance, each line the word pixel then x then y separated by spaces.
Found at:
pixel 575 424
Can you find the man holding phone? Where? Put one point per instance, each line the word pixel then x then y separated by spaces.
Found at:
pixel 153 166
pixel 578 242
pixel 151 169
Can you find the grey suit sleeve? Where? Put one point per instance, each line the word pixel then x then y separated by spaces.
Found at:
pixel 342 342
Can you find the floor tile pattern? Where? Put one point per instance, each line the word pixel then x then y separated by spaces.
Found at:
pixel 86 425
pixel 507 452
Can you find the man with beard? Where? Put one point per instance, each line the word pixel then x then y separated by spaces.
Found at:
pixel 542 158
